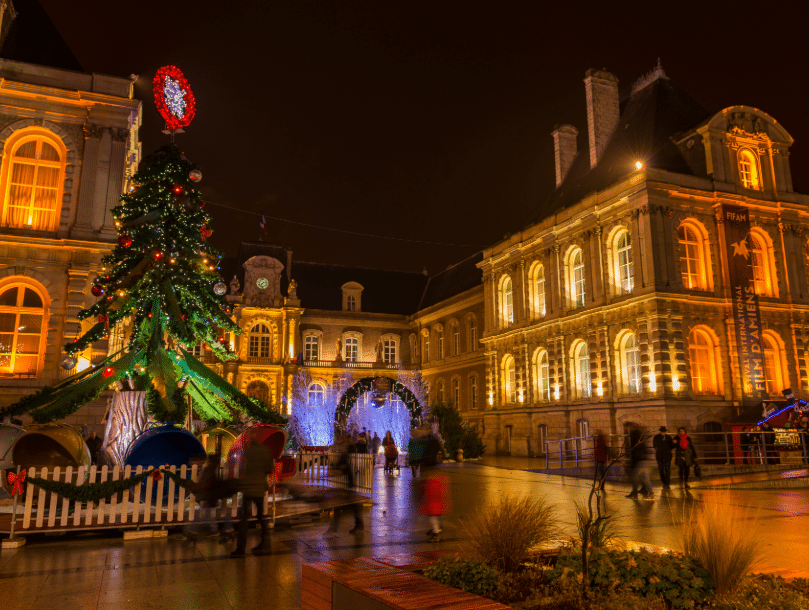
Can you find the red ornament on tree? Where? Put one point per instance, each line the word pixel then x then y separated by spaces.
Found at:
pixel 108 371
pixel 97 290
pixel 173 97
pixel 124 241
pixel 206 347
pixel 222 340
pixel 178 190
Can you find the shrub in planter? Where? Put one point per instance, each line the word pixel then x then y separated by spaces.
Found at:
pixel 519 585
pixel 764 592
pixel 467 574
pixel 507 530
pixel 681 581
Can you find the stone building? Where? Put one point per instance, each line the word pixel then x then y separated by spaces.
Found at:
pixel 616 305
pixel 68 142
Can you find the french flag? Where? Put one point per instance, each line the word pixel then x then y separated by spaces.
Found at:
pixel 263 224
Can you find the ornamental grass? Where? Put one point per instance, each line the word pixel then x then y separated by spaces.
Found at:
pixel 722 536
pixel 504 534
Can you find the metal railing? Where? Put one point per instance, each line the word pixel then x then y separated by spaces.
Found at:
pixel 390 366
pixel 712 448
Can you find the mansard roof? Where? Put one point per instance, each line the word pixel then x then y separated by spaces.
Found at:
pixel 650 118
pixel 33 38
pixel 456 279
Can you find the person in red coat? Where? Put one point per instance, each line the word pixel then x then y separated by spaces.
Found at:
pixel 434 490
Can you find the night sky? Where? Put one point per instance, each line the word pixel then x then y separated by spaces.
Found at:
pixel 421 121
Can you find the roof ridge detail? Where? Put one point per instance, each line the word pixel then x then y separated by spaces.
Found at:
pixel 647 79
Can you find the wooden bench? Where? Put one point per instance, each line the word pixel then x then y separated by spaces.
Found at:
pixel 383 583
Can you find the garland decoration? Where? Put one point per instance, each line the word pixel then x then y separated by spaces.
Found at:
pixel 349 399
pixel 100 491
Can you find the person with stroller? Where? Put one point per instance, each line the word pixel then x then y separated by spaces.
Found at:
pixel 391 453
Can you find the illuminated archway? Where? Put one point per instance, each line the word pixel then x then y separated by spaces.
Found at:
pixel 349 400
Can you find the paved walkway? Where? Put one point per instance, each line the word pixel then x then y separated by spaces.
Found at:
pixel 103 571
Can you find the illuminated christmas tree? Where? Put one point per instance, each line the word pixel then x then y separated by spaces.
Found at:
pixel 161 280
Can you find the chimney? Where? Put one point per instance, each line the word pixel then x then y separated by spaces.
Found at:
pixel 603 111
pixel 564 148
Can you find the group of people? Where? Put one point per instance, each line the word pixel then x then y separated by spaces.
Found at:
pixel 759 443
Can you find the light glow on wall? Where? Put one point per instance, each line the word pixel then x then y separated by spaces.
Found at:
pixel 600 388
pixel 675 383
pixel 638 165
pixel 652 383
pixel 556 391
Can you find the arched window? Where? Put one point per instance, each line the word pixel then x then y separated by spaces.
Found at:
pixel 22 314
pixel 542 376
pixel 390 351
pixel 693 257
pixel 34 175
pixel 537 287
pixel 473 334
pixel 473 392
pixel 426 348
pixel 311 347
pixel 506 302
pixel 456 393
pixel 440 388
pixel 576 279
pixel 260 338
pixel 316 394
pixel 748 169
pixel 701 352
pixel 352 349
pixel 509 380
pixel 762 261
pixel 258 390
pixel 351 303
pixel 581 365
pixel 456 339
pixel 630 364
pixel 624 278
pixel 440 344
pixel 773 364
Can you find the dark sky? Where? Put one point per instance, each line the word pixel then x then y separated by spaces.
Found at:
pixel 420 120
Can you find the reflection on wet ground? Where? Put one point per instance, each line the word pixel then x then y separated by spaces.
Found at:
pixel 92 571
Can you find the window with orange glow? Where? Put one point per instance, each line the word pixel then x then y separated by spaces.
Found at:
pixel 703 362
pixel 693 260
pixel 630 364
pixel 537 288
pixel 576 278
pixel 542 376
pixel 581 364
pixel 22 315
pixel 748 169
pixel 259 344
pixel 506 302
pixel 763 265
pixel 773 373
pixel 34 174
pixel 624 278
pixel 509 380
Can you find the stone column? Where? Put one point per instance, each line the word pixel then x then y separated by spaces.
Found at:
pixel 89 172
pixel 115 183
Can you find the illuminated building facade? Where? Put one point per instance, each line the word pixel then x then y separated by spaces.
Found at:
pixel 68 141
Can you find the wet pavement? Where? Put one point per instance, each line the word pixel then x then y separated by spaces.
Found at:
pixel 102 571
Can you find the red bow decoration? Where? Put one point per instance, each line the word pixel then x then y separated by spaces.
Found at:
pixel 156 475
pixel 205 233
pixel 16 481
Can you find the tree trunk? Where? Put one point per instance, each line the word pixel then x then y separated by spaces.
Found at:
pixel 128 418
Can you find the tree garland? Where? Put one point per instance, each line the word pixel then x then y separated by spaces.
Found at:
pixel 349 399
pixel 100 491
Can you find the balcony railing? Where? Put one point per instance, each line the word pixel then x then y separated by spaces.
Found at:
pixel 391 366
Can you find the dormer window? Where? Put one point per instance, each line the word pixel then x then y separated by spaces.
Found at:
pixel 748 169
pixel 352 296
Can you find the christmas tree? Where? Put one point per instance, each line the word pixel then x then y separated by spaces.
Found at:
pixel 162 280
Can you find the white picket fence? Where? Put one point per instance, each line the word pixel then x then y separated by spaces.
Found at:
pixel 161 502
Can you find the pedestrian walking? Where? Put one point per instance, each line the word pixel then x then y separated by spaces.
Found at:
pixel 252 482
pixel 663 446
pixel 362 442
pixel 601 453
pixel 685 455
pixel 376 442
pixel 342 463
pixel 639 465
pixel 209 489
pixel 416 449
pixel 434 489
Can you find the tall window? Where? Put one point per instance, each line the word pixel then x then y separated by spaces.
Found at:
pixel 703 362
pixel 510 379
pixel 259 346
pixel 506 302
pixel 773 372
pixel 440 344
pixel 473 392
pixel 351 303
pixel 456 392
pixel 542 375
pixel 34 182
pixel 582 366
pixel 456 339
pixel 473 334
pixel 763 265
pixel 693 258
pixel 389 351
pixel 748 169
pixel 440 387
pixel 630 364
pixel 21 325
pixel 352 349
pixel 577 284
pixel 623 263
pixel 537 275
pixel 426 349
pixel 311 343
pixel 316 394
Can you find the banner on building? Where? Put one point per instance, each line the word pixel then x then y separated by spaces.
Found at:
pixel 746 313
